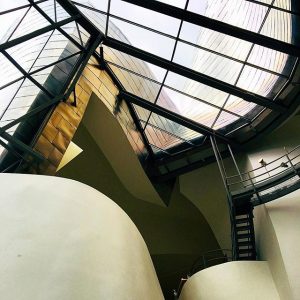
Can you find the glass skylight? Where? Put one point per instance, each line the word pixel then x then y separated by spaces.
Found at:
pixel 257 70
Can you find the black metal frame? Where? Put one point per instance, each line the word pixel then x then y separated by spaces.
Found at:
pixel 216 25
pixel 97 37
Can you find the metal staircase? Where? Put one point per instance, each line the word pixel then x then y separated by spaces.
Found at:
pixel 244 233
pixel 258 186
pixel 241 217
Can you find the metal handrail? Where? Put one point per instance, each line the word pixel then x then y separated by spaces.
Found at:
pixel 290 159
pixel 256 169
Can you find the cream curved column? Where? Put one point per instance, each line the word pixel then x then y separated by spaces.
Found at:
pixel 247 280
pixel 61 239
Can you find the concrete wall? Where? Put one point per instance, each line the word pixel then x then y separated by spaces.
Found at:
pixel 235 280
pixel 61 239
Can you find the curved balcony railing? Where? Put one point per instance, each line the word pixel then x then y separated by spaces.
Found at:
pixel 268 182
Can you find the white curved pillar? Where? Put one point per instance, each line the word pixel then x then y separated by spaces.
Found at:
pixel 61 239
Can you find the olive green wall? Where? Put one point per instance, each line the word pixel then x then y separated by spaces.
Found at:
pixel 175 235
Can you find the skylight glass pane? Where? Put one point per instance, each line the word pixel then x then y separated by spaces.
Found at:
pixel 143 39
pixel 134 64
pixel 240 13
pixel 240 106
pixel 285 4
pixel 278 25
pixel 32 22
pixel 161 139
pixel 7 94
pixel 261 83
pixel 101 5
pixel 145 17
pixel 248 66
pixel 215 41
pixel 25 54
pixel 9 72
pixel 271 60
pixel 23 97
pixel 207 63
pixel 224 119
pixel 191 108
pixel 196 89
pixel 97 18
pixel 10 20
pixel 136 85
pixel 175 129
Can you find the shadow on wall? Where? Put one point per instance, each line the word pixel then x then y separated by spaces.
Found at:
pixel 175 235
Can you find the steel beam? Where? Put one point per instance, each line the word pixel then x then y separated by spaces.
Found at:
pixel 20 145
pixel 175 117
pixel 191 74
pixel 216 25
pixel 72 10
pixel 131 110
pixel 36 33
pixel 70 84
pixel 70 38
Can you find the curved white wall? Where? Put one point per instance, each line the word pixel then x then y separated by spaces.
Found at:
pixel 278 241
pixel 61 239
pixel 247 280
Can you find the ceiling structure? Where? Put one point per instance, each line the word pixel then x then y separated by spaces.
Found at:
pixel 217 69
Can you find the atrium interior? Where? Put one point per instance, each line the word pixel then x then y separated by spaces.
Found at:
pixel 150 149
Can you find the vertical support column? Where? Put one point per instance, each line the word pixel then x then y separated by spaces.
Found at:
pixel 229 198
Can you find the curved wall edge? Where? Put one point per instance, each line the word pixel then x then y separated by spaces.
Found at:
pixel 61 239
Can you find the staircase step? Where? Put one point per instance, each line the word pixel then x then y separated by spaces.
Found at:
pixel 244 236
pixel 243 228
pixel 244 243
pixel 245 251
pixel 240 211
pixel 247 258
pixel 242 221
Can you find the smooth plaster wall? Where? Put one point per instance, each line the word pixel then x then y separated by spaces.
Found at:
pixel 277 224
pixel 109 136
pixel 175 235
pixel 61 239
pixel 247 280
pixel 282 250
pixel 205 189
pixel 268 249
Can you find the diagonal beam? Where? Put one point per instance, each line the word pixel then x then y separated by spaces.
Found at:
pixel 20 145
pixel 69 84
pixel 72 10
pixel 131 109
pixel 216 25
pixel 191 74
pixel 175 117
pixel 70 38
pixel 36 33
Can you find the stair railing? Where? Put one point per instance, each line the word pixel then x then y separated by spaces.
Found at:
pixel 290 161
pixel 229 198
